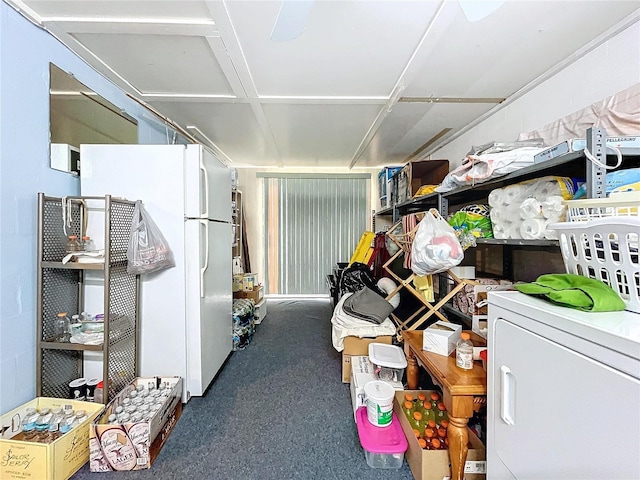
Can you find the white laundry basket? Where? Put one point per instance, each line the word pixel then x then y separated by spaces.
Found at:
pixel 626 204
pixel 605 249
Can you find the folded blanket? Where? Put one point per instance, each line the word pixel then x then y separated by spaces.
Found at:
pixel 368 305
pixel 574 291
pixel 345 325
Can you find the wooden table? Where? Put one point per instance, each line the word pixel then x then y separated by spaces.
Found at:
pixel 463 391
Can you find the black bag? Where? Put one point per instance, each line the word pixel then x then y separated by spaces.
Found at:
pixel 357 276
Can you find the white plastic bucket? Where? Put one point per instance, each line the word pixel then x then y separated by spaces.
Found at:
pixel 379 398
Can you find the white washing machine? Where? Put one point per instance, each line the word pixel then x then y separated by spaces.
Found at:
pixel 563 391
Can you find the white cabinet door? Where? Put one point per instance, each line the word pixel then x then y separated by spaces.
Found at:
pixel 559 413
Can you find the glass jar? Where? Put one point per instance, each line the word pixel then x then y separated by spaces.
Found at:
pixel 72 245
pixel 87 244
pixel 62 328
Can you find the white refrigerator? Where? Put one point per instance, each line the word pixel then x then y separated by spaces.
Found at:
pixel 185 311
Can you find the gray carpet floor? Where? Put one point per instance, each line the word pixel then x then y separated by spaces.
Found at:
pixel 277 410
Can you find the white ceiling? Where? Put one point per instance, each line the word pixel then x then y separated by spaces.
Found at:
pixel 337 95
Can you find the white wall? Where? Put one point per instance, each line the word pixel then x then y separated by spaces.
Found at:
pixel 253 199
pixel 608 69
pixel 25 53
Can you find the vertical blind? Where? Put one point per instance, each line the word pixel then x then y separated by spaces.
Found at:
pixel 311 223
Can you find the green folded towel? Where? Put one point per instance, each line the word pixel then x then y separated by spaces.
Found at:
pixel 574 291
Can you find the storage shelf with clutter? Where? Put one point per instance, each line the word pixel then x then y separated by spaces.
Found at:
pixel 96 346
pixel 523 203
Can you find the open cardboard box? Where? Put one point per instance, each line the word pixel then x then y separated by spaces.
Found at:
pixel 435 464
pixel 362 372
pixel 57 460
pixel 357 346
pixel 147 437
pixel 256 294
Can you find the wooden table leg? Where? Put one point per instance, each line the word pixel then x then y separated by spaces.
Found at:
pixel 412 368
pixel 458 437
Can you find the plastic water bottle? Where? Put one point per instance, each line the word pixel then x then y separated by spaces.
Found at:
pixel 29 425
pixel 407 408
pixel 435 398
pixel 441 414
pixel 464 352
pixel 42 424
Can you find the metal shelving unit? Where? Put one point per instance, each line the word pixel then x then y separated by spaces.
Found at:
pixel 568 165
pixel 61 288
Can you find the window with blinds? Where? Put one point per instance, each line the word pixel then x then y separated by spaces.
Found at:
pixel 312 222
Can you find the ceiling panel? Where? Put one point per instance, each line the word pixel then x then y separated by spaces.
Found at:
pixel 319 134
pixel 165 9
pixel 409 126
pixel 315 100
pixel 161 63
pixel 347 48
pixel 232 127
pixel 496 56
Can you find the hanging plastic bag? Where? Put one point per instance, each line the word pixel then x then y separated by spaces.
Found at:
pixel 148 250
pixel 435 247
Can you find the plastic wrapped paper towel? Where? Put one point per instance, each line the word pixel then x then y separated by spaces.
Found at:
pixel 531 208
pixel 512 207
pixel 533 228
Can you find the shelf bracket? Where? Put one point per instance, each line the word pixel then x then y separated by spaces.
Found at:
pixel 596 175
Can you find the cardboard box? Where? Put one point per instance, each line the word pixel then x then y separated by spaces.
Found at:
pixel 142 440
pixel 357 346
pixel 256 294
pixel 249 281
pixel 361 374
pixel 472 298
pixel 236 284
pixel 441 337
pixel 552 152
pixel 41 461
pixel 436 464
pixel 415 174
pixel 480 325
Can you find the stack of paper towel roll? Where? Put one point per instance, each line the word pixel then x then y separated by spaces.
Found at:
pixel 524 210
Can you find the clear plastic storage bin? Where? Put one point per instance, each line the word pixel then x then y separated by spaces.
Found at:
pixel 388 361
pixel 384 447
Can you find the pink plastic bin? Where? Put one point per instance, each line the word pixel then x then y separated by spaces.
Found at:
pixel 384 447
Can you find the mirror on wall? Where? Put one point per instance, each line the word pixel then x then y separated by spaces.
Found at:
pixel 79 115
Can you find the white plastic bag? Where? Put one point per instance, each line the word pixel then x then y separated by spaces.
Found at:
pixel 148 250
pixel 435 247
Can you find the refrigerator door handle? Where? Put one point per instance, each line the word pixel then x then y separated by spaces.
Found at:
pixel 507 395
pixel 203 269
pixel 205 214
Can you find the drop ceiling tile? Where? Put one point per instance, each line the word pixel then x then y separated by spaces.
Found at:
pixel 348 48
pixel 410 126
pixel 520 41
pixel 165 9
pixel 232 127
pixel 161 63
pixel 324 135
